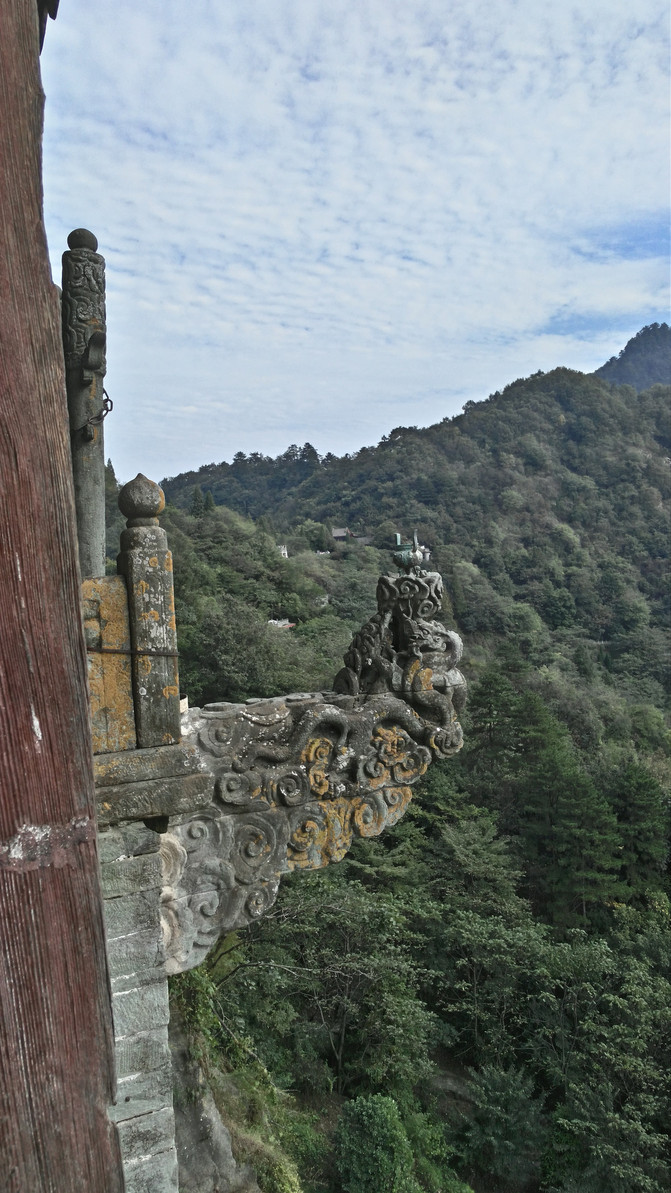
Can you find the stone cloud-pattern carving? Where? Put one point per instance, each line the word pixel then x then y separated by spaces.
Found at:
pixel 295 778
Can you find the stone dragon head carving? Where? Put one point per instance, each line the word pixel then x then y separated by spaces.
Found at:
pixel 295 778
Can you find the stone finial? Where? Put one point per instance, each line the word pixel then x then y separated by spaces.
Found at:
pixel 141 501
pixel 81 238
pixel 146 563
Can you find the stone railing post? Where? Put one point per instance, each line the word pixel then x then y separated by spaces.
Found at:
pixel 146 563
pixel 84 338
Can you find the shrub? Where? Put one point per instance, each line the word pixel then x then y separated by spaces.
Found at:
pixel 372 1149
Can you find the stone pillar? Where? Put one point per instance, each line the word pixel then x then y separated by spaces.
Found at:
pixel 146 563
pixel 84 337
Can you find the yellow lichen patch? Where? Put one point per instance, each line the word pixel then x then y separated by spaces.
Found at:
pixel 396 800
pixel 168 561
pixel 150 615
pixel 316 757
pixel 374 812
pixel 397 759
pixel 412 670
pixel 170 690
pixel 425 677
pixel 324 835
pixel 153 562
pixel 142 587
pixel 105 609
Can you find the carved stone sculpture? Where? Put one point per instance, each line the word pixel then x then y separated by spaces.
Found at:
pixel 84 341
pixel 295 778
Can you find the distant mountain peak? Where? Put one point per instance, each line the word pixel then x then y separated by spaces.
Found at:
pixel 644 361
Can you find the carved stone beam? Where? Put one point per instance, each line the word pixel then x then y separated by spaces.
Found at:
pixel 295 778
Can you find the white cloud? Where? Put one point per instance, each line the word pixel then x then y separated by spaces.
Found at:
pixel 325 219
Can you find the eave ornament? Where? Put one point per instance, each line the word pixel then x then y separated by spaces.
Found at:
pixel 295 778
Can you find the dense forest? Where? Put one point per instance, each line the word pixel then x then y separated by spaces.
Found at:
pixel 481 999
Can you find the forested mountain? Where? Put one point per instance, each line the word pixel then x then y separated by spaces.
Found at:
pixel 300 483
pixel 480 1000
pixel 645 360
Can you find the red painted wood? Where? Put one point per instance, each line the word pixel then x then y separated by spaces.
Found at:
pixel 56 1071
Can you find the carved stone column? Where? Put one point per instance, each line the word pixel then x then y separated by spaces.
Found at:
pixel 84 337
pixel 146 563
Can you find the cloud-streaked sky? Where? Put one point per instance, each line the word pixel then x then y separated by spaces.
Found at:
pixel 326 218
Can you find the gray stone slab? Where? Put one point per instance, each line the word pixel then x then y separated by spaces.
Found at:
pixel 140 1009
pixel 147 1134
pixel 136 766
pixel 132 913
pixel 131 875
pixel 153 1085
pixel 126 840
pixel 142 1053
pixel 138 980
pixel 135 952
pixel 135 1108
pixel 157 1174
pixel 154 797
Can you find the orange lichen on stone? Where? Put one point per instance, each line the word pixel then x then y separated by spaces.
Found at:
pixel 106 629
pixel 316 758
pixel 323 836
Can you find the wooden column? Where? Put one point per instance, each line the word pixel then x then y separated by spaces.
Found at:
pixel 56 1066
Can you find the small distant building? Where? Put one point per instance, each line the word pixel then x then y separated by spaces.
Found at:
pixel 340 533
pixel 283 551
pixel 281 623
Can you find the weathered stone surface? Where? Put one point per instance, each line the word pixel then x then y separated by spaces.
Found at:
pixel 126 840
pixel 154 797
pixel 131 913
pixel 297 777
pixel 147 1134
pixel 139 766
pixel 146 563
pixel 130 875
pixel 135 952
pixel 206 1161
pixel 143 1052
pixel 156 1174
pixel 154 1085
pixel 142 1009
pixel 84 340
pixel 107 633
pixel 141 977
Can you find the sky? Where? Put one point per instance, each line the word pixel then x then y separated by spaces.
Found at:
pixel 323 219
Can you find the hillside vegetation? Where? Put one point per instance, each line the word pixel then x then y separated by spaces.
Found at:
pixel 644 361
pixel 482 998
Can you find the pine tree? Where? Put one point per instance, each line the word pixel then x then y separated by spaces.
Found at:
pixel 643 825
pixel 568 831
pixel 197 502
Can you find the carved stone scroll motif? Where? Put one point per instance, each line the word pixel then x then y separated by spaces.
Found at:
pixel 296 777
pixel 83 302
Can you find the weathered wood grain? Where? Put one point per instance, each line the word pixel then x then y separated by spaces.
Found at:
pixel 56 1054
